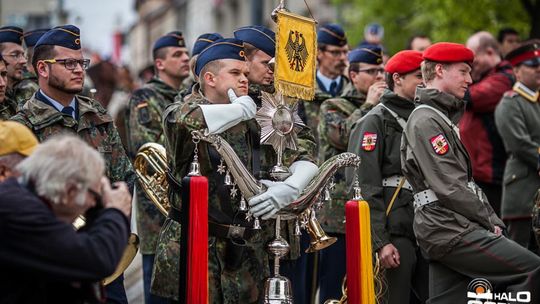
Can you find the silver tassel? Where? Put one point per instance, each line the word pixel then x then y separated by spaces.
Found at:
pixel 256 223
pixel 297 231
pixel 357 191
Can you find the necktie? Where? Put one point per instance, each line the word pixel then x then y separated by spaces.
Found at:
pixel 333 87
pixel 68 110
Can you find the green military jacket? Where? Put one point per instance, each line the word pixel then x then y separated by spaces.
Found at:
pixel 518 122
pixel 376 138
pixel 536 217
pixel 24 89
pixel 94 126
pixel 245 284
pixel 336 117
pixel 309 109
pixel 143 126
pixel 433 157
pixel 8 108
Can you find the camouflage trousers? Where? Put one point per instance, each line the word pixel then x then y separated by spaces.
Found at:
pixel 242 283
pixel 536 217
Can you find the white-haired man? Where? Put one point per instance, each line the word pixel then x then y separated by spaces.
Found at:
pixel 43 258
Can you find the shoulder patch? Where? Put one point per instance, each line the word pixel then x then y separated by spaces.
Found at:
pixel 142 112
pixel 439 144
pixel 369 141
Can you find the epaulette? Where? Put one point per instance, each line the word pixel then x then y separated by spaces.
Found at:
pixel 525 92
pixel 510 94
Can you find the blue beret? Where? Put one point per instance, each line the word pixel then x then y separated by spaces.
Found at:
pixel 32 37
pixel 331 34
pixel 367 54
pixel 203 41
pixel 228 48
pixel 11 34
pixel 174 38
pixel 67 36
pixel 259 36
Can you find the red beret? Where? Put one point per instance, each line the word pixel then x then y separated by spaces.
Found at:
pixel 404 62
pixel 524 53
pixel 448 52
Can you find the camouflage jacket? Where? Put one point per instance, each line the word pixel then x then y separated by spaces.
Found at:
pixel 309 109
pixel 336 118
pixel 24 89
pixel 143 126
pixel 94 126
pixel 381 159
pixel 245 284
pixel 536 217
pixel 8 108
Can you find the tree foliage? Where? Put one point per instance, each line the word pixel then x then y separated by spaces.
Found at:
pixel 441 20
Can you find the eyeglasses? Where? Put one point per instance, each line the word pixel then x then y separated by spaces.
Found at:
pixel 98 198
pixel 336 53
pixel 372 71
pixel 70 63
pixel 15 55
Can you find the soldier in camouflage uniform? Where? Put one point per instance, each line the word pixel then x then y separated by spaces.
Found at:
pixel 28 85
pixel 336 118
pixel 236 272
pixel 6 110
pixel 518 121
pixel 376 138
pixel 13 54
pixel 55 109
pixel 260 48
pixel 145 108
pixel 332 60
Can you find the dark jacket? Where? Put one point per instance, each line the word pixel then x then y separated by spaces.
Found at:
pixel 477 126
pixel 433 157
pixel 44 260
pixel 380 161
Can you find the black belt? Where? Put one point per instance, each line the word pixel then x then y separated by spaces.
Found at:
pixel 220 230
pixel 231 231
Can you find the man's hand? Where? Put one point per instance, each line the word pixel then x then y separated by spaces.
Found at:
pixel 249 108
pixel 277 196
pixel 389 256
pixel 117 197
pixel 375 91
pixel 497 230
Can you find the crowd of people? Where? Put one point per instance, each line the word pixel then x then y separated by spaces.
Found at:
pixel 448 135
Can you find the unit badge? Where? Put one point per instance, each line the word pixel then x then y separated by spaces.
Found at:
pixel 369 141
pixel 439 144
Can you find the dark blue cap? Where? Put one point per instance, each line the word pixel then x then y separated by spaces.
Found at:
pixel 331 34
pixel 32 37
pixel 11 34
pixel 367 54
pixel 67 36
pixel 228 48
pixel 259 36
pixel 174 38
pixel 204 41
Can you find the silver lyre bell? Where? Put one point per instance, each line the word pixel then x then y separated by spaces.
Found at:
pixel 357 191
pixel 243 205
pixel 228 179
pixel 195 167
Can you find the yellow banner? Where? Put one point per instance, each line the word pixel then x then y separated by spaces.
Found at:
pixel 296 51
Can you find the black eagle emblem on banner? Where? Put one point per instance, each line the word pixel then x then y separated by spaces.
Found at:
pixel 296 51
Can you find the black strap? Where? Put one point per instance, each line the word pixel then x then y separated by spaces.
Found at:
pixel 175 214
pixel 255 141
pixel 173 182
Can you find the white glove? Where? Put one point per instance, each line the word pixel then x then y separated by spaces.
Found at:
pixel 281 194
pixel 220 117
